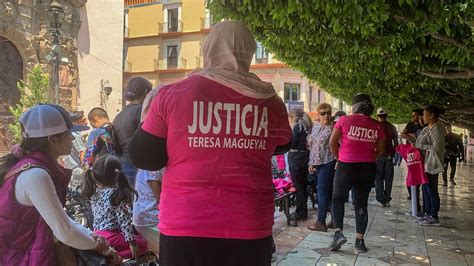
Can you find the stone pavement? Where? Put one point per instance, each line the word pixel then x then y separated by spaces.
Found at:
pixel 393 238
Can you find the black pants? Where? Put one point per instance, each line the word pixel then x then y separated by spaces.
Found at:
pixel 449 162
pixel 200 251
pixel 298 164
pixel 359 176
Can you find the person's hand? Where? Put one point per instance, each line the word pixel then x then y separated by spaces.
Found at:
pixel 113 258
pixel 133 248
pixel 312 169
pixel 101 244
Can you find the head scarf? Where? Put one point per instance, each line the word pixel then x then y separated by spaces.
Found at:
pixel 228 52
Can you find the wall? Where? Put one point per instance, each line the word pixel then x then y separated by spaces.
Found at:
pixel 145 20
pixel 100 50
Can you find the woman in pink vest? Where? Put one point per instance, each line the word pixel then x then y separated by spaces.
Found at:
pixel 216 131
pixel 33 193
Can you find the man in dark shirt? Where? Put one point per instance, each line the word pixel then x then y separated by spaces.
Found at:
pixel 414 127
pixel 384 176
pixel 128 120
pixel 453 150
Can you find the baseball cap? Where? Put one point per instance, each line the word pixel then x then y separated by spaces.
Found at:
pixel 45 120
pixel 381 111
pixel 136 88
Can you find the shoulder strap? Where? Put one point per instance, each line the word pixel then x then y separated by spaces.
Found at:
pixel 23 168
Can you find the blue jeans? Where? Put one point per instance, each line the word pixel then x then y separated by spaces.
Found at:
pixel 431 196
pixel 384 179
pixel 325 182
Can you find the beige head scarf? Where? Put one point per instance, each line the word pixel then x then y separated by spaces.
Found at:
pixel 228 52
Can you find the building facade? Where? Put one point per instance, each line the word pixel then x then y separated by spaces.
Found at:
pixel 163 43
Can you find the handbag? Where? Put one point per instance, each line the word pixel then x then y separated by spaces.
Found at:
pixel 433 164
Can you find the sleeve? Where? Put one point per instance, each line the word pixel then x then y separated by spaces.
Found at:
pixel 156 119
pixel 35 188
pixel 394 136
pixel 438 142
pixel 294 140
pixel 124 217
pixel 340 123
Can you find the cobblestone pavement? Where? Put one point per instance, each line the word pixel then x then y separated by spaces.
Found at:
pixel 393 237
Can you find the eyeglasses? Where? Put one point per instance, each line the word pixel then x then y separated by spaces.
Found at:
pixel 324 113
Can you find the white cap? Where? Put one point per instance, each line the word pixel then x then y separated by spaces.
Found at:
pixel 45 120
pixel 381 111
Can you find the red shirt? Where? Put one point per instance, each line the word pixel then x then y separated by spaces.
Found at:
pixel 218 180
pixel 359 138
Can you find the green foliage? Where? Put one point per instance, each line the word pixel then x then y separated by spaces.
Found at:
pixel 386 48
pixel 34 91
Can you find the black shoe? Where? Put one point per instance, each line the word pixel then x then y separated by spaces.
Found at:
pixel 298 216
pixel 359 246
pixel 338 241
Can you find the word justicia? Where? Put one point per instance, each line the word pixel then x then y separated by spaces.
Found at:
pixel 217 117
pixel 362 133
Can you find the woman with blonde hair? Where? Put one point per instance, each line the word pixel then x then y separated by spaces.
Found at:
pixel 322 163
pixel 298 158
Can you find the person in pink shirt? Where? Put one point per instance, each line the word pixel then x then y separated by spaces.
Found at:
pixel 356 141
pixel 216 132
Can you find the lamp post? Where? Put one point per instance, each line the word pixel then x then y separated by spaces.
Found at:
pixel 56 17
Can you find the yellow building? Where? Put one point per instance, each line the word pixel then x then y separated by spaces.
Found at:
pixel 163 43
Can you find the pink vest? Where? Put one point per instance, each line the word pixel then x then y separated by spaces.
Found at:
pixel 25 238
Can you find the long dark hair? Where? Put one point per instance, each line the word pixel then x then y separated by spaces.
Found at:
pixel 28 145
pixel 107 171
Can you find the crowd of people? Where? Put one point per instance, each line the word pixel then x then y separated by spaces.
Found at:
pixel 215 132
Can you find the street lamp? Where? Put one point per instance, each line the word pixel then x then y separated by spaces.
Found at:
pixel 56 17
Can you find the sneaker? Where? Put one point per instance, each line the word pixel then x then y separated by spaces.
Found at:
pixel 338 241
pixel 430 222
pixel 359 246
pixel 452 182
pixel 422 218
pixel 318 226
pixel 330 225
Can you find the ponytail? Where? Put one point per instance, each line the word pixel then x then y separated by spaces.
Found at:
pixel 124 192
pixel 107 171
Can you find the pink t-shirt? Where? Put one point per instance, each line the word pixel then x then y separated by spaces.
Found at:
pixel 416 168
pixel 359 136
pixel 218 179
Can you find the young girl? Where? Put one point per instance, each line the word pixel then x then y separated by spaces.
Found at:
pixel 110 195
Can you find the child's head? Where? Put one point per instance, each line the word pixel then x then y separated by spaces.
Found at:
pixel 107 172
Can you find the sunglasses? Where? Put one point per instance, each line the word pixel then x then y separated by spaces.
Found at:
pixel 324 113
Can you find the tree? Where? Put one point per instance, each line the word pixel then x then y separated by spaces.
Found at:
pixel 34 91
pixel 404 53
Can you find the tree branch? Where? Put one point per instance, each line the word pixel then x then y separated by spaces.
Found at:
pixel 450 40
pixel 464 73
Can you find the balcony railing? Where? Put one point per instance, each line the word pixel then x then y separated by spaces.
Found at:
pixel 127 67
pixel 139 2
pixel 170 63
pixel 167 27
pixel 207 23
pixel 126 32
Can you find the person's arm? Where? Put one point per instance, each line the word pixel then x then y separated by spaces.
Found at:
pixel 380 148
pixel 282 149
pixel 147 151
pixel 35 188
pixel 438 141
pixel 295 137
pixel 334 142
pixel 124 217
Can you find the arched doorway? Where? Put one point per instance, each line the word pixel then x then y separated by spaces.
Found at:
pixel 11 70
